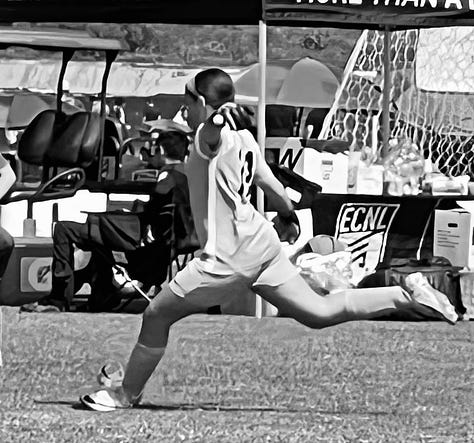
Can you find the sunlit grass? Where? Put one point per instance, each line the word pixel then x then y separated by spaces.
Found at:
pixel 236 379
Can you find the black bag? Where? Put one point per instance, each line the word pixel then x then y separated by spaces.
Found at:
pixel 438 270
pixel 116 230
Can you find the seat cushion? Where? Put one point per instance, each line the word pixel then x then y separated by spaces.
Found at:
pixel 57 139
pixel 37 138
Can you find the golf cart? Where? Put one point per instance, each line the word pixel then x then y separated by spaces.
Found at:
pixel 69 148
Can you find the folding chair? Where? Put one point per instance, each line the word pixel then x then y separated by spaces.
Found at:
pixel 181 251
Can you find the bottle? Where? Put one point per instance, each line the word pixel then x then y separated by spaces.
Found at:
pixel 353 167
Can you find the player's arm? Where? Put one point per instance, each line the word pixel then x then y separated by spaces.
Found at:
pixel 286 222
pixel 235 116
pixel 7 176
pixel 209 136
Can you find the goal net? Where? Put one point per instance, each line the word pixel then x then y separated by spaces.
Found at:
pixel 431 95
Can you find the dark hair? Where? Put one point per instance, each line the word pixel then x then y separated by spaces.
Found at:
pixel 215 86
pixel 175 144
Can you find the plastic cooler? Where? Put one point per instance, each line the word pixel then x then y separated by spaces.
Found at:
pixel 467 293
pixel 28 274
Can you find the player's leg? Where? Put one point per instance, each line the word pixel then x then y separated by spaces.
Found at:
pixel 164 310
pixel 295 298
pixel 192 291
pixel 280 283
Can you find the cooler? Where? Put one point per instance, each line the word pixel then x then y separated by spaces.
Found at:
pixel 28 274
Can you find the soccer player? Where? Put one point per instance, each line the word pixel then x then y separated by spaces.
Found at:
pixel 241 249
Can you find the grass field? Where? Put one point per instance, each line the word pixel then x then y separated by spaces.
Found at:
pixel 236 379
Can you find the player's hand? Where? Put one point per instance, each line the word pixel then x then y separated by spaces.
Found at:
pixel 288 228
pixel 238 117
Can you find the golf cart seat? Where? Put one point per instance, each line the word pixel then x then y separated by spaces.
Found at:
pixel 63 145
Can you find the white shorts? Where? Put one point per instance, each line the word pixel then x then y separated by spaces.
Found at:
pixel 208 289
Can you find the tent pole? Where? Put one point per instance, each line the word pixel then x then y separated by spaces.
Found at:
pixel 262 56
pixel 387 86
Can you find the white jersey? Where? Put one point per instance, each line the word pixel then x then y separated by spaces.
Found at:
pixel 234 235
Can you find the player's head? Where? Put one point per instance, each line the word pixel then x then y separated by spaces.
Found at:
pixel 205 93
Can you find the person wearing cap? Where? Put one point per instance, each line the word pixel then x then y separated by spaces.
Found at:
pixel 137 238
pixel 241 250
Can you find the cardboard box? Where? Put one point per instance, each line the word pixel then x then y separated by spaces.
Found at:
pixel 453 236
pixel 330 171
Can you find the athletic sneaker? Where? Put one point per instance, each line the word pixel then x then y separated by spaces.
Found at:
pixel 107 400
pixel 424 294
pixel 112 397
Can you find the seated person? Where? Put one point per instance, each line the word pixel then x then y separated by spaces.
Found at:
pixel 140 239
pixel 7 179
pixel 143 152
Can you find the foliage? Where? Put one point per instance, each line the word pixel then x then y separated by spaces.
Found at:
pixel 218 45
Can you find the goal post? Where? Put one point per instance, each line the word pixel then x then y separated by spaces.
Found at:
pixel 431 95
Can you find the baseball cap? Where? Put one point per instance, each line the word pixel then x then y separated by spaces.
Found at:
pixel 164 125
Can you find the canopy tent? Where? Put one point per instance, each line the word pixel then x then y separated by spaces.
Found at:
pixel 241 12
pixel 17 111
pixel 369 14
pixel 56 39
pixel 356 14
pixel 306 82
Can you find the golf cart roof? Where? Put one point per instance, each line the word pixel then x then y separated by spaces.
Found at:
pixel 57 39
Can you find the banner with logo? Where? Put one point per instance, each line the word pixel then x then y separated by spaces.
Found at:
pixel 379 228
pixel 364 227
